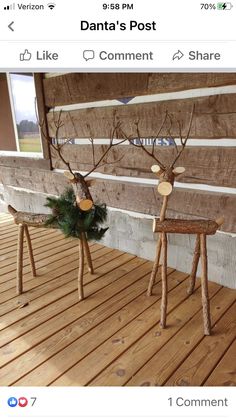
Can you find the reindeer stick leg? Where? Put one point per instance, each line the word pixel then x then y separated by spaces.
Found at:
pixel 81 270
pixel 155 267
pixel 204 283
pixel 196 257
pixel 87 253
pixel 158 251
pixel 164 281
pixel 30 250
pixel 20 245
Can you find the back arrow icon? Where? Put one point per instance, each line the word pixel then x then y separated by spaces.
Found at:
pixel 10 26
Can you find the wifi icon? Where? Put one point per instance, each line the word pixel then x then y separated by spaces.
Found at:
pixel 51 5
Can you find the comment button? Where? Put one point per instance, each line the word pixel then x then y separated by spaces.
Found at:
pixel 88 54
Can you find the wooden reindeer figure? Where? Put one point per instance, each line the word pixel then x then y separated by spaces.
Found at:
pixel 24 219
pixel 201 228
pixel 83 200
pixel 165 187
pixel 167 174
pixel 81 185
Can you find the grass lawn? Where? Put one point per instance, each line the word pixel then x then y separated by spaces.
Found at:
pixel 30 144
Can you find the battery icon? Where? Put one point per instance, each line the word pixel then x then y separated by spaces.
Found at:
pixel 224 6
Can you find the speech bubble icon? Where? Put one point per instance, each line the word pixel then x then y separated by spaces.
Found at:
pixel 88 54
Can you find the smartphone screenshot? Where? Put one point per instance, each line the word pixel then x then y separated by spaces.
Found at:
pixel 117 209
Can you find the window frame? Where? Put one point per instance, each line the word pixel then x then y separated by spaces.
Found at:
pixel 40 160
pixel 9 85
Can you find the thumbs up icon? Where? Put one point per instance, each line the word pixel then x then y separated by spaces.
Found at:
pixel 26 55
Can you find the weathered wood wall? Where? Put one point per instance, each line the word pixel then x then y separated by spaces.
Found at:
pixel 212 168
pixel 208 122
pixel 183 203
pixel 88 87
pixel 215 118
pixel 204 165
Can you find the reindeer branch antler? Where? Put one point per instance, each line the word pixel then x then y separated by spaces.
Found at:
pixel 161 167
pixel 140 145
pixel 159 131
pixel 58 124
pixel 183 141
pixel 170 135
pixel 102 161
pixel 79 184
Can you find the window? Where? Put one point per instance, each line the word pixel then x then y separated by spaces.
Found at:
pixel 20 130
pixel 22 93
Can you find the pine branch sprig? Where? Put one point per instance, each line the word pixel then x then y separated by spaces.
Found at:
pixel 72 221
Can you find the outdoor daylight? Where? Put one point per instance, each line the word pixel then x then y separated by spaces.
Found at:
pixel 118 229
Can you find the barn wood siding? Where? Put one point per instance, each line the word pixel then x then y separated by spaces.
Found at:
pixel 73 88
pixel 208 121
pixel 204 165
pixel 132 196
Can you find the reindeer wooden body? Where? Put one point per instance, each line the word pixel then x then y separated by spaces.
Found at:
pixel 25 219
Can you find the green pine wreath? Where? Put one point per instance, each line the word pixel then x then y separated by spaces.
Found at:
pixel 72 221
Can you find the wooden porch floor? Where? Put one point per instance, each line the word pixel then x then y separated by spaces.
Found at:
pixel 113 336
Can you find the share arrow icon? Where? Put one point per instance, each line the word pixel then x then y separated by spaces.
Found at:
pixel 178 55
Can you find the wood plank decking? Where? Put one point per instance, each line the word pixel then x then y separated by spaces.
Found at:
pixel 113 336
